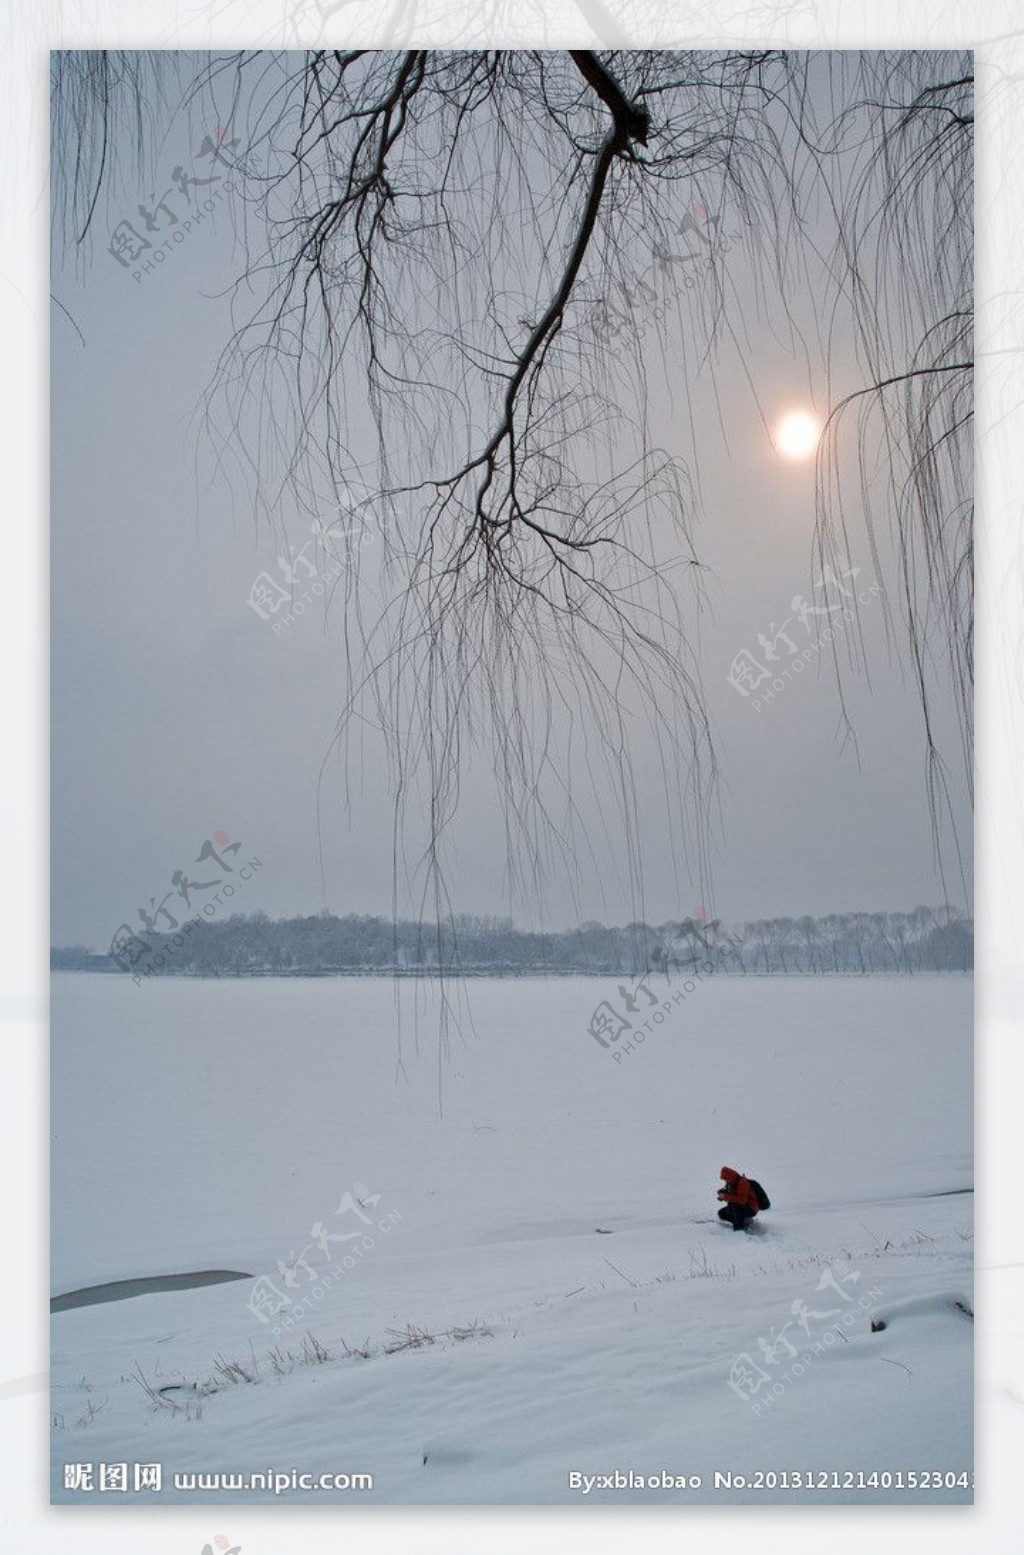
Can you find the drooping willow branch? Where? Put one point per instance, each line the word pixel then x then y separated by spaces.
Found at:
pixel 630 123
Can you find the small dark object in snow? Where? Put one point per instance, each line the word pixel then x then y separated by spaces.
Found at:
pixel 878 1324
pixel 601 1231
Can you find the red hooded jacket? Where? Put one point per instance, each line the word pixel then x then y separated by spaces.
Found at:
pixel 737 1190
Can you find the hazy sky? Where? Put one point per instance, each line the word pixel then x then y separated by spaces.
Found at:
pixel 178 712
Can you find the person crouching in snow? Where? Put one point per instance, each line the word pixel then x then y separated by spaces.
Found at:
pixel 741 1202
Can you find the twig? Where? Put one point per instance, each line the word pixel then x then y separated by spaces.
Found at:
pixel 618 1271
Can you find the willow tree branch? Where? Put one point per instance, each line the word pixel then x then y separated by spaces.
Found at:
pixel 630 122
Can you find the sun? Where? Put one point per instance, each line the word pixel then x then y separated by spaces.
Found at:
pixel 796 436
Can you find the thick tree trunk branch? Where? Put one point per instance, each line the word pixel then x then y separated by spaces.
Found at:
pixel 629 123
pixel 632 122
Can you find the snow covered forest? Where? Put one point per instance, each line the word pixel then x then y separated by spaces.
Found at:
pixel 927 939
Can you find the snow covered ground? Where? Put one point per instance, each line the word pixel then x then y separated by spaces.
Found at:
pixel 509 1345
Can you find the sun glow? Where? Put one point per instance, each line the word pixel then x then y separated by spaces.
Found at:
pixel 796 436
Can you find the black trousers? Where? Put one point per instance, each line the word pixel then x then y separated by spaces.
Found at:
pixel 738 1217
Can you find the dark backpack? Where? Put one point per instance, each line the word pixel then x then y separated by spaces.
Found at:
pixel 763 1201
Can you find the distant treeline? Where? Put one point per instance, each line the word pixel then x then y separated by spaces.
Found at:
pixel 928 939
